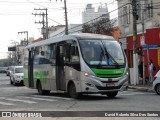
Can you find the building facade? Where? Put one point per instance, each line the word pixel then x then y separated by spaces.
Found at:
pixel 148 31
pixel 89 13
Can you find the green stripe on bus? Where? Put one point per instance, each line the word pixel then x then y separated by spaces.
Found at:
pixel 108 73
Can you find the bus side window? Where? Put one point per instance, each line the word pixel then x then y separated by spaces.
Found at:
pixel 41 55
pixel 53 53
pixel 74 55
pixel 36 53
pixel 65 52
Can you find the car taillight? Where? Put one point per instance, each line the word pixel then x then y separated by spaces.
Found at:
pixel 154 78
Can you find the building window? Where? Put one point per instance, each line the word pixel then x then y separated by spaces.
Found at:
pixel 126 15
pixel 120 17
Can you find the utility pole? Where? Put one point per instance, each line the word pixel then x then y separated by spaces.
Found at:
pixel 24 32
pixel 135 64
pixel 66 20
pixel 143 29
pixel 142 49
pixel 44 22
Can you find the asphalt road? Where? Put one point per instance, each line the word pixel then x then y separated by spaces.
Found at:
pixel 21 99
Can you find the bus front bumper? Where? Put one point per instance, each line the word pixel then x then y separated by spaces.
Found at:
pixel 94 85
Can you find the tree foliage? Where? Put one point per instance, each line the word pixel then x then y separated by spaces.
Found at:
pixel 101 26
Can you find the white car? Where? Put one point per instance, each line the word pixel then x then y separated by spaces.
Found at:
pixel 16 75
pixel 8 71
pixel 156 83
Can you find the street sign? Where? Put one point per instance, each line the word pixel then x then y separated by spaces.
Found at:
pixel 142 38
pixel 124 42
pixel 11 48
pixel 153 46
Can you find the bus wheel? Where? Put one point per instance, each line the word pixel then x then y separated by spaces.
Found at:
pixel 39 88
pixel 40 91
pixel 11 81
pixel 14 82
pixel 72 91
pixel 112 94
pixel 46 92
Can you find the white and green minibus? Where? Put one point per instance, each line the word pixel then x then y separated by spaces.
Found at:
pixel 77 64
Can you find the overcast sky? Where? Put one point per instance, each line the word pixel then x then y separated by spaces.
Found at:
pixel 16 16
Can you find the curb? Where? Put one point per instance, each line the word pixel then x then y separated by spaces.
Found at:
pixel 143 89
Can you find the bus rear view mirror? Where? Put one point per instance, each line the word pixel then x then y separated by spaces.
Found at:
pixel 42 53
pixel 75 59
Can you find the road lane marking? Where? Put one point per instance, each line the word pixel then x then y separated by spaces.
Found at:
pixel 4 103
pixel 18 100
pixel 52 97
pixel 2 97
pixel 44 99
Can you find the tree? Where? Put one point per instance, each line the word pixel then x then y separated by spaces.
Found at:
pixel 86 28
pixel 101 26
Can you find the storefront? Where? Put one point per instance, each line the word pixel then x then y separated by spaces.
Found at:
pixel 148 47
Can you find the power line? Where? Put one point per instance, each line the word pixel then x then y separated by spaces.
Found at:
pixel 35 3
pixel 55 21
pixel 95 18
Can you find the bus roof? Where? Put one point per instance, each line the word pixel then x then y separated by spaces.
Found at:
pixel 79 36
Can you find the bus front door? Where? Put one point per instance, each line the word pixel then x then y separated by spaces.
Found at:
pixel 30 69
pixel 60 74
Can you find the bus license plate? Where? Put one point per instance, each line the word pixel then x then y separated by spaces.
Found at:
pixel 110 84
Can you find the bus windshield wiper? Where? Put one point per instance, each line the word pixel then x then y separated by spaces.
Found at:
pixel 110 56
pixel 100 58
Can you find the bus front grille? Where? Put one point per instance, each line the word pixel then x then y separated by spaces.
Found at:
pixel 108 88
pixel 109 75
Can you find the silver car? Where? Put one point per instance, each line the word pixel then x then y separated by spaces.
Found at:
pixel 156 83
pixel 3 69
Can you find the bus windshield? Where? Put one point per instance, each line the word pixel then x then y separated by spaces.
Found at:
pixel 102 52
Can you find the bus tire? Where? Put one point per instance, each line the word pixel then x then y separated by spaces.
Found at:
pixel 112 94
pixel 72 91
pixel 46 92
pixel 14 82
pixel 11 81
pixel 39 88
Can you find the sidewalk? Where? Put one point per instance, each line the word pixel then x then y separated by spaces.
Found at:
pixel 143 88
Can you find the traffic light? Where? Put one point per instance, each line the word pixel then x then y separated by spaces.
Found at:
pixel 140 51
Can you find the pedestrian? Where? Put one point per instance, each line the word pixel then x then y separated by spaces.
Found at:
pixel 140 68
pixel 150 71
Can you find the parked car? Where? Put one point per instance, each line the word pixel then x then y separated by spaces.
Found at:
pixel 3 69
pixel 156 83
pixel 16 75
pixel 8 71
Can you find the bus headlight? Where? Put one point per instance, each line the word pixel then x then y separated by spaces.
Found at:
pixel 126 73
pixel 86 74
